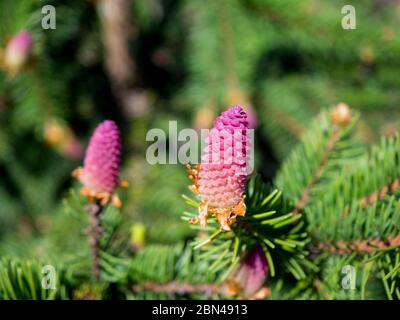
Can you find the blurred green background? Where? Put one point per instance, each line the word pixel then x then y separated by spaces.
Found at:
pixel 143 63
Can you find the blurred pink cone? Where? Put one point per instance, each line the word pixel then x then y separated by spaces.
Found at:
pixel 249 277
pixel 18 51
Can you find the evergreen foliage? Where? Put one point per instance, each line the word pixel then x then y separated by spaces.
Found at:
pixel 325 197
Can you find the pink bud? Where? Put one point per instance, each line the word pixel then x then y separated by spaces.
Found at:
pixel 18 51
pixel 251 116
pixel 249 277
pixel 223 171
pixel 101 165
pixel 342 114
pixel 73 149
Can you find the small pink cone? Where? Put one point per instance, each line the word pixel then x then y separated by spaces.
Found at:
pixel 100 172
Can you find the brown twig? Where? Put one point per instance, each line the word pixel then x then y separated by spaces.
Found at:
pixel 359 246
pixel 117 29
pixel 116 23
pixel 380 194
pixel 370 199
pixel 94 232
pixel 318 173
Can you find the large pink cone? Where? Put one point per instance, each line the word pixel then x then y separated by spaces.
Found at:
pixel 223 171
pixel 101 165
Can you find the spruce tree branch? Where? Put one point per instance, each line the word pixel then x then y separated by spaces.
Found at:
pixel 366 246
pixel 390 188
pixel 318 173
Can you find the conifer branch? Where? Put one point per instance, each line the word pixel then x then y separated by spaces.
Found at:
pixel 302 202
pixel 325 149
pixel 366 246
pixel 390 188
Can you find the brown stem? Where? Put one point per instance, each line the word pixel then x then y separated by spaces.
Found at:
pixel 379 194
pixel 117 29
pixel 116 23
pixel 94 232
pixel 318 173
pixel 359 246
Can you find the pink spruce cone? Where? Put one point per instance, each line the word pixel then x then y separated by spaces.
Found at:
pixel 101 165
pixel 18 51
pixel 223 171
pixel 249 277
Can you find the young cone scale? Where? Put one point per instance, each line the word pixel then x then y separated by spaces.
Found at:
pixel 220 179
pixel 100 172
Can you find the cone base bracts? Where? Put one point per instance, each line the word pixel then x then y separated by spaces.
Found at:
pixel 103 198
pixel 220 179
pixel 226 216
